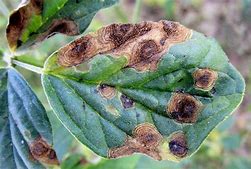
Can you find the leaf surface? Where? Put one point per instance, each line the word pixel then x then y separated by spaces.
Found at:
pixel 156 88
pixel 36 20
pixel 62 138
pixel 25 132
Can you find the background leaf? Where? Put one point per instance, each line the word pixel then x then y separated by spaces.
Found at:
pixel 108 102
pixel 36 20
pixel 132 162
pixel 25 132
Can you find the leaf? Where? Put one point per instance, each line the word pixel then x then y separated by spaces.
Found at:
pixel 2 61
pixel 25 132
pixel 133 162
pixel 156 88
pixel 62 138
pixel 36 20
pixel 75 161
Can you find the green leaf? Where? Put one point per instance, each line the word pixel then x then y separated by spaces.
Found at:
pixel 75 161
pixel 157 88
pixel 25 132
pixel 133 162
pixel 36 20
pixel 2 61
pixel 62 138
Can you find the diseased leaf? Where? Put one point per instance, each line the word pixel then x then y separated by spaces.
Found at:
pixel 36 20
pixel 156 88
pixel 25 132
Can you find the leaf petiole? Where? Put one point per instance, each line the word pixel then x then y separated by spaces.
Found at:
pixel 27 66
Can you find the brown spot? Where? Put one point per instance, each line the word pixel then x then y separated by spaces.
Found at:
pixel 184 108
pixel 147 135
pixel 126 101
pixel 42 152
pixel 106 91
pixel 171 28
pixel 142 44
pixel 37 4
pixel 178 145
pixel 205 79
pixel 121 33
pixel 63 26
pixel 143 57
pixel 175 32
pixel 19 19
pixel 162 41
pixel 145 139
pixel 76 52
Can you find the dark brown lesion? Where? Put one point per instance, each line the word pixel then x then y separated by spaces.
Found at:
pixel 146 139
pixel 126 101
pixel 178 145
pixel 174 32
pixel 43 152
pixel 107 91
pixel 205 79
pixel 76 52
pixel 184 108
pixel 171 28
pixel 19 19
pixel 144 55
pixel 64 26
pixel 119 34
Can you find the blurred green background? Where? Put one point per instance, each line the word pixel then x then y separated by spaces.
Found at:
pixel 229 21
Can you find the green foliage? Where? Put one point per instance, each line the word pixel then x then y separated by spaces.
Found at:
pixel 62 138
pixel 133 162
pixel 23 121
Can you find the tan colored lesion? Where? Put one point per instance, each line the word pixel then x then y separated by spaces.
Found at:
pixel 106 91
pixel 184 108
pixel 145 139
pixel 43 152
pixel 205 79
pixel 143 44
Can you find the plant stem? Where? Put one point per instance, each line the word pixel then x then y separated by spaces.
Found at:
pixel 27 66
pixel 136 12
pixel 3 9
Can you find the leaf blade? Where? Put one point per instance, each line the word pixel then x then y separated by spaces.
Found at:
pixel 179 92
pixel 24 125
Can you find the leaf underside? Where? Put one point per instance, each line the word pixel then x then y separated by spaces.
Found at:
pixel 25 132
pixel 36 20
pixel 164 106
